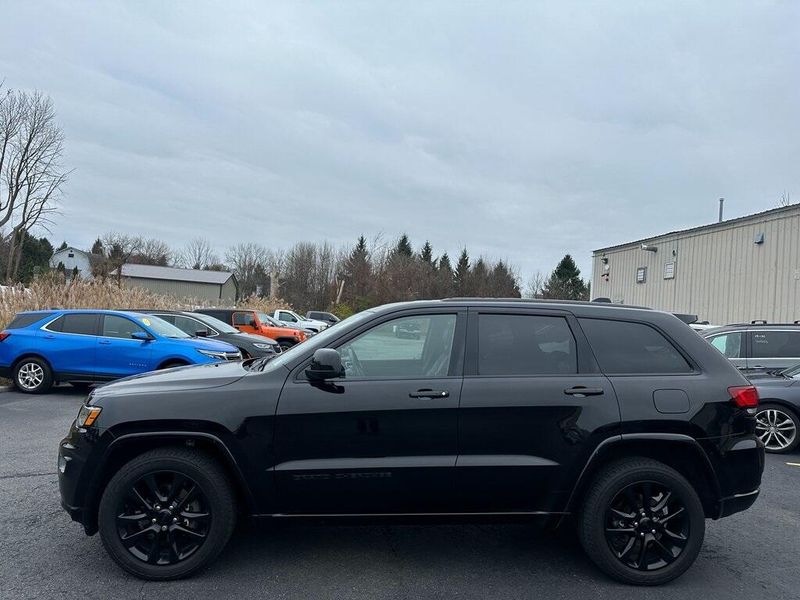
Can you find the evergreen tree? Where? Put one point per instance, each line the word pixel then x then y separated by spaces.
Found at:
pixel 461 276
pixel 479 280
pixel 503 283
pixel 357 273
pixel 403 247
pixel 35 257
pixel 443 279
pixel 97 247
pixel 426 254
pixel 63 246
pixel 565 282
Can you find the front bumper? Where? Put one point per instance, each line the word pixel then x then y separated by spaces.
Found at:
pixel 76 458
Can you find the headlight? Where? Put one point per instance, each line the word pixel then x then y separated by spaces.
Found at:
pixel 87 415
pixel 264 346
pixel 214 354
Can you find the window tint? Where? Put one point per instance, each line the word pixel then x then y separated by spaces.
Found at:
pixel 776 344
pixel 407 347
pixel 25 319
pixel 119 327
pixel 82 323
pixel 191 326
pixel 241 318
pixel 622 347
pixel 730 344
pixel 525 345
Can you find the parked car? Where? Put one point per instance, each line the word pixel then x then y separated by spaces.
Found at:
pixel 291 318
pixel 200 325
pixel 258 323
pixel 319 315
pixel 40 348
pixel 778 416
pixel 622 418
pixel 758 346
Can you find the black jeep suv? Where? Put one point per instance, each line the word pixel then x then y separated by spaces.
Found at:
pixel 622 418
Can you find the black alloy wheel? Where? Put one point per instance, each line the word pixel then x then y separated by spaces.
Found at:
pixel 164 518
pixel 642 522
pixel 647 526
pixel 167 513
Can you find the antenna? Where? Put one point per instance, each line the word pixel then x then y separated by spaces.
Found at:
pixel 721 203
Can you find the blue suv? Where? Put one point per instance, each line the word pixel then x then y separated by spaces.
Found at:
pixel 39 348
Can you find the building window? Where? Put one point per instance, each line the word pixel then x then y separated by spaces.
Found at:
pixel 669 270
pixel 641 274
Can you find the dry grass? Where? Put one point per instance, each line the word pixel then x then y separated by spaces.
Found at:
pixel 50 292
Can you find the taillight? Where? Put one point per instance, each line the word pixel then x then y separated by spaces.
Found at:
pixel 4 335
pixel 745 396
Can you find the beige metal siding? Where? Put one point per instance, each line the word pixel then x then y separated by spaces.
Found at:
pixel 229 292
pixel 178 289
pixel 721 274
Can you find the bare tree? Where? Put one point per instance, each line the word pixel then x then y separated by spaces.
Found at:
pixel 119 250
pixel 198 254
pixel 153 252
pixel 249 262
pixel 785 200
pixel 31 148
pixel 535 287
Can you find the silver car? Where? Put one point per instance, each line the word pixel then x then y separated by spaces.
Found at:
pixel 760 346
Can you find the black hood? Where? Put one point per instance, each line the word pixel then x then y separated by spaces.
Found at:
pixel 192 377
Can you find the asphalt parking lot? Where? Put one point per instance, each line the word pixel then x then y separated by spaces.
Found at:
pixel 45 555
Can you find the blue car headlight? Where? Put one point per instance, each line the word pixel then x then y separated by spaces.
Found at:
pixel 213 354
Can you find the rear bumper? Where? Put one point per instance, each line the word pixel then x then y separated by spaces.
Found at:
pixel 738 463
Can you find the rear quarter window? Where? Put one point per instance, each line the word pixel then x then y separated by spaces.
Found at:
pixel 25 319
pixel 624 348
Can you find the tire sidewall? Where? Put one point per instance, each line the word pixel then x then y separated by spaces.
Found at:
pixel 220 505
pixel 47 380
pixel 594 525
pixel 792 415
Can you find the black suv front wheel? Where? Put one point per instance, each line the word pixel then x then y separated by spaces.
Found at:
pixel 167 513
pixel 642 522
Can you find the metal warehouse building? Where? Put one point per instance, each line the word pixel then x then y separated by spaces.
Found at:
pixel 218 286
pixel 732 271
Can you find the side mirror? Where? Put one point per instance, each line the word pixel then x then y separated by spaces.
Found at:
pixel 325 364
pixel 201 333
pixel 142 336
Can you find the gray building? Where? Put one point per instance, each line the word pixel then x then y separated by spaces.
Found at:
pixel 73 257
pixel 216 286
pixel 732 271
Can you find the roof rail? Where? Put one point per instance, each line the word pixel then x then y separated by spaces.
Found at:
pixel 758 322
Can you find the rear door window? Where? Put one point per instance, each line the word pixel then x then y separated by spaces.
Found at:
pixel 776 344
pixel 624 348
pixel 76 323
pixel 25 319
pixel 730 344
pixel 242 319
pixel 525 345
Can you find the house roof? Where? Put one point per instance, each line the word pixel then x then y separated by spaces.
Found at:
pixel 776 212
pixel 174 274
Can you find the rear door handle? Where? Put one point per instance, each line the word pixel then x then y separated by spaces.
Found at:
pixel 582 391
pixel 429 394
pixel 105 341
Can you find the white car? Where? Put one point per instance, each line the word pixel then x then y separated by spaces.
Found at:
pixel 292 319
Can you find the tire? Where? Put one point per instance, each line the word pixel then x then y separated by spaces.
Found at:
pixel 211 504
pixel 33 376
pixel 285 345
pixel 610 504
pixel 778 427
pixel 171 364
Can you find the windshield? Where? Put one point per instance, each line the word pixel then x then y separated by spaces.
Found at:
pixel 320 340
pixel 267 320
pixel 161 328
pixel 220 326
pixel 793 372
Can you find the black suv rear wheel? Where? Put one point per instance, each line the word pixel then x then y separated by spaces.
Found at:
pixel 642 522
pixel 167 513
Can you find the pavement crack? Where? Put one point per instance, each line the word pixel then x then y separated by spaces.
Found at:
pixel 21 475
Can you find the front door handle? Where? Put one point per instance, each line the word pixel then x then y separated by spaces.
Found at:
pixel 429 394
pixel 582 391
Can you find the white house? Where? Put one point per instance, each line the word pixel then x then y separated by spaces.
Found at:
pixel 72 257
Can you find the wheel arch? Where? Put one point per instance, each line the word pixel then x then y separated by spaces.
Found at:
pixel 178 361
pixel 31 354
pixel 782 402
pixel 126 447
pixel 681 452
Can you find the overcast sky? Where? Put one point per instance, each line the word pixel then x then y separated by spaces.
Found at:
pixel 521 130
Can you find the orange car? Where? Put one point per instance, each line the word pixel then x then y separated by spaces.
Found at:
pixel 254 321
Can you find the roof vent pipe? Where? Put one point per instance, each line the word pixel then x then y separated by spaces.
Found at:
pixel 721 203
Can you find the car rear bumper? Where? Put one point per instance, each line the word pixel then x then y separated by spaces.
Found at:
pixel 737 503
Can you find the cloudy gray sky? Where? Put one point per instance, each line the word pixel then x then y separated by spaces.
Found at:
pixel 521 130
